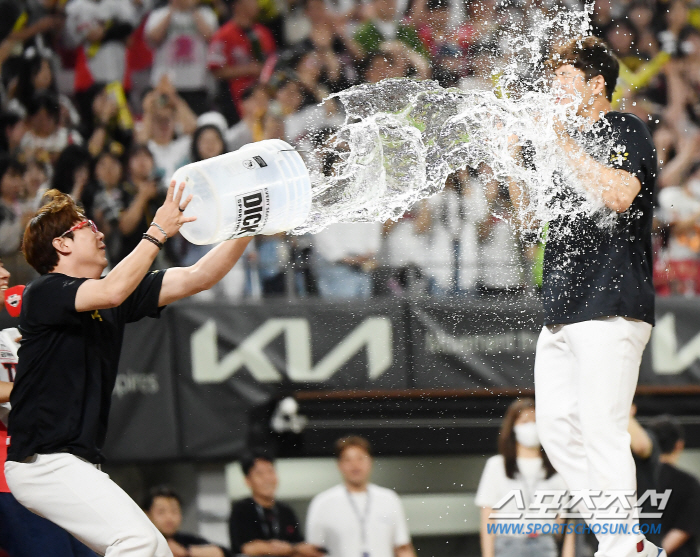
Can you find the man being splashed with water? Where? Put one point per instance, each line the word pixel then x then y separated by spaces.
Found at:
pixel 598 293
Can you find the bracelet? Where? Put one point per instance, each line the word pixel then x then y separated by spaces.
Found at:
pixel 154 223
pixel 147 236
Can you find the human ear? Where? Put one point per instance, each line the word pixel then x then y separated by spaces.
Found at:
pixel 61 246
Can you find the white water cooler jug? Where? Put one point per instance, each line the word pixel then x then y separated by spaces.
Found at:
pixel 263 188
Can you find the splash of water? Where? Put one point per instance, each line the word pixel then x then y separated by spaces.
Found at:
pixel 402 138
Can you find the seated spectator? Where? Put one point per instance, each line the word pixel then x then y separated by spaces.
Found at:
pixel 45 135
pixel 180 33
pixel 680 521
pixel 111 119
pixel 167 126
pixel 12 210
pixel 12 130
pixel 164 507
pixel 239 50
pixel 109 174
pixel 36 76
pixel 344 259
pixel 382 23
pixel 36 181
pixel 72 174
pixel 100 30
pixel 141 195
pixel 254 102
pixel 261 525
pixel 358 517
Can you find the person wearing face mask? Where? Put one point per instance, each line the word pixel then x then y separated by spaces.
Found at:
pixel 521 465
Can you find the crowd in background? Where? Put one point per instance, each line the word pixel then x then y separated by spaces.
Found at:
pixel 104 99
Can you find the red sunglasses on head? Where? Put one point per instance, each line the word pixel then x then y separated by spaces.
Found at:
pixel 80 225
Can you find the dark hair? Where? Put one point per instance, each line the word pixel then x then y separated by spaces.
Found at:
pixel 668 431
pixel 10 164
pixel 159 491
pixel 8 119
pixel 70 159
pixel 139 148
pixel 27 72
pixel 506 438
pixel 48 102
pixel 249 459
pixel 195 155
pixel 352 441
pixel 590 55
pixel 58 215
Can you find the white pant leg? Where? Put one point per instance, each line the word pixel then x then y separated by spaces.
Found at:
pixel 556 407
pixel 82 500
pixel 608 353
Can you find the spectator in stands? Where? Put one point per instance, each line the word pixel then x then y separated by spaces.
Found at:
pixel 164 507
pixel 254 102
pixel 109 173
pixel 520 465
pixel 180 33
pixel 167 127
pixel 137 203
pixel 36 181
pixel 111 119
pixel 100 29
pixel 680 521
pixel 13 215
pixel 73 175
pixel 12 130
pixel 45 135
pixel 382 23
pixel 239 50
pixel 358 517
pixel 261 525
pixel 345 256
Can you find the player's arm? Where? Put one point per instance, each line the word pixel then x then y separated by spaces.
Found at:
pixel 181 282
pixel 5 390
pixel 523 217
pixel 617 188
pixel 126 276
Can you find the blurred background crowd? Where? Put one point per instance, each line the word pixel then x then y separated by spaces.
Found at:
pixel 104 99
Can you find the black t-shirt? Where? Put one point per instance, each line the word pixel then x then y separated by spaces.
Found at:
pixel 189 540
pixel 249 521
pixel 592 271
pixel 683 509
pixel 68 366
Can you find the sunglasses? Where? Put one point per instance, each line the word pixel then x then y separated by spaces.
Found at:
pixel 80 225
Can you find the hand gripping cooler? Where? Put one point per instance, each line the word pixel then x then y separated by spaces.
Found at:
pixel 263 188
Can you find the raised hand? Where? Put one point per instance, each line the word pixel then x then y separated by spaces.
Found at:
pixel 170 216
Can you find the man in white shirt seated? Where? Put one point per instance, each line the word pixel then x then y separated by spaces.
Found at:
pixel 344 257
pixel 357 518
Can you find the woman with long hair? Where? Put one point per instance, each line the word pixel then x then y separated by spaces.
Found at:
pixel 520 467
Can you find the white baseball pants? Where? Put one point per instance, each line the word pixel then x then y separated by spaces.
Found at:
pixel 585 378
pixel 82 500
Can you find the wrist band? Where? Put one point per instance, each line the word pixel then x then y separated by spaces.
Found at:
pixel 147 236
pixel 154 223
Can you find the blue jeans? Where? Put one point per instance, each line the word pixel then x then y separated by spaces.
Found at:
pixel 512 546
pixel 338 281
pixel 25 534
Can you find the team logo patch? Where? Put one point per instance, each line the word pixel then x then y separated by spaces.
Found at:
pixel 13 300
pixel 249 164
pixel 619 155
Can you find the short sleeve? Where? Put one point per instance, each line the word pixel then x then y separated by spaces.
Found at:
pixel 315 533
pixel 143 301
pixel 489 491
pixel 633 150
pixel 209 17
pixel 401 534
pixel 154 19
pixel 49 301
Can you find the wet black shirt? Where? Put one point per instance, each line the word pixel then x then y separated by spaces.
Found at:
pixel 249 522
pixel 68 366
pixel 592 271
